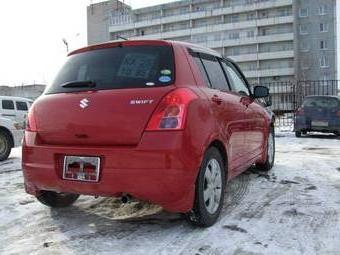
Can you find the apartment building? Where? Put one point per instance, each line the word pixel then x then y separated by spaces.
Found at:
pixel 271 40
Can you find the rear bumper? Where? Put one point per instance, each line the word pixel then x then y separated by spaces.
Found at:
pixel 305 124
pixel 158 170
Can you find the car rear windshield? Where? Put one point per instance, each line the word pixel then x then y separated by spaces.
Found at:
pixel 326 102
pixel 116 68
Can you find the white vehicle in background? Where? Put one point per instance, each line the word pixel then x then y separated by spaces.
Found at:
pixel 13 112
pixel 14 108
pixel 11 134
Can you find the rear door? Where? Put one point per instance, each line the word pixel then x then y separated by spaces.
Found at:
pixel 253 119
pixel 226 107
pixel 105 96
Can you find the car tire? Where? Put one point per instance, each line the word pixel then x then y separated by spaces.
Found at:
pixel 298 133
pixel 5 145
pixel 209 191
pixel 57 200
pixel 265 167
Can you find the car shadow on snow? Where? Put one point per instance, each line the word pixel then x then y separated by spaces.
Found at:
pixel 320 136
pixel 135 211
pixel 94 218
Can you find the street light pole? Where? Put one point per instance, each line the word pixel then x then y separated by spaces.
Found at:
pixel 66 44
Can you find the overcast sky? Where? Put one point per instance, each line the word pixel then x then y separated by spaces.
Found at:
pixel 31 47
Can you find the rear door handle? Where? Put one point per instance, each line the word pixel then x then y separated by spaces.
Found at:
pixel 216 99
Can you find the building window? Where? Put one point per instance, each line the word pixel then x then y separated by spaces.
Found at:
pixel 217 37
pixel 305 65
pixel 304 46
pixel 324 62
pixel 323 9
pixel 264 31
pixel 303 12
pixel 323 45
pixel 283 12
pixel 250 33
pixel 234 35
pixel 264 15
pixel 303 29
pixel 250 16
pixel 323 27
pixel 235 18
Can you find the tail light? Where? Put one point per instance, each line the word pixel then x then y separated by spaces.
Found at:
pixel 338 114
pixel 171 112
pixel 300 112
pixel 31 124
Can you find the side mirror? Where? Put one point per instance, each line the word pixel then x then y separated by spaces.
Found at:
pixel 269 101
pixel 260 92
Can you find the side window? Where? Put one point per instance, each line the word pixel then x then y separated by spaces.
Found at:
pixel 215 73
pixel 21 106
pixel 202 71
pixel 7 105
pixel 237 83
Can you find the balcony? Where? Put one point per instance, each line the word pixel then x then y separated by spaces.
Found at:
pixel 263 56
pixel 251 40
pixel 200 14
pixel 270 72
pixel 221 28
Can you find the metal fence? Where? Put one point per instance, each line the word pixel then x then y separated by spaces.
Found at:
pixel 287 97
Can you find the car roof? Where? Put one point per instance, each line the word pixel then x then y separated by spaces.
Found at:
pixel 112 44
pixel 15 98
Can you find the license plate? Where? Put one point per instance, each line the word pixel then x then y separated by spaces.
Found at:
pixel 78 168
pixel 320 123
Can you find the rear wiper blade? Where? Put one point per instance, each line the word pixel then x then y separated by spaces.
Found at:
pixel 79 84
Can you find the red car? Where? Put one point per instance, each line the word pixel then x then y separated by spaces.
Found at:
pixel 160 121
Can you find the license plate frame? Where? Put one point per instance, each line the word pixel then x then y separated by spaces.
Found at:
pixel 319 123
pixel 89 168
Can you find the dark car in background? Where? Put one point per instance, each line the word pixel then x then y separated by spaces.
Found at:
pixel 319 114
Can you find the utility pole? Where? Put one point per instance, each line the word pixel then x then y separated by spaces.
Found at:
pixel 66 44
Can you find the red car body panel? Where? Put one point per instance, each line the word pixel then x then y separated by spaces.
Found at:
pixel 156 166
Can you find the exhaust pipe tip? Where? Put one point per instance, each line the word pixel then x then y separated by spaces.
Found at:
pixel 126 198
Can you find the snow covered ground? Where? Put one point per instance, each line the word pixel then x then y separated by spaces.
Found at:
pixel 295 209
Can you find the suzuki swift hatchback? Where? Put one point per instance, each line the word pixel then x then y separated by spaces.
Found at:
pixel 165 122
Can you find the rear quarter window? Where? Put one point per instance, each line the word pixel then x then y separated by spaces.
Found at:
pixel 118 68
pixel 323 102
pixel 21 106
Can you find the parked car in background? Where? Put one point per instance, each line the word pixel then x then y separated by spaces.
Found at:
pixel 165 122
pixel 318 113
pixel 11 134
pixel 14 108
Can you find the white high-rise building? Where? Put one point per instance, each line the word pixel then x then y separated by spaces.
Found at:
pixel 271 40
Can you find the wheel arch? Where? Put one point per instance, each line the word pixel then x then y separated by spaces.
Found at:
pixel 221 148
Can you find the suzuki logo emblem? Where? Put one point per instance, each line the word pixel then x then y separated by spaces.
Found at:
pixel 84 103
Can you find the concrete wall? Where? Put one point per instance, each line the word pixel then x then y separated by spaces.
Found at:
pixel 98 20
pixel 27 91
